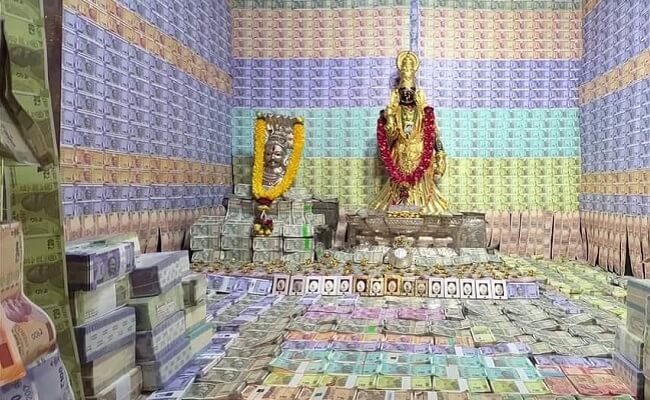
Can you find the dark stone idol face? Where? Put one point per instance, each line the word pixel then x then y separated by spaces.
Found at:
pixel 407 95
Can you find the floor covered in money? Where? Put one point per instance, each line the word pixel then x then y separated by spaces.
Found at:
pixel 556 346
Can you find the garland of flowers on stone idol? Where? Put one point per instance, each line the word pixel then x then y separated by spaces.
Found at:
pixel 395 173
pixel 263 225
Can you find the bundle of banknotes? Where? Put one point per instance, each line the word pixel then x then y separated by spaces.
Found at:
pixel 31 362
pixel 231 239
pixel 105 326
pixel 272 346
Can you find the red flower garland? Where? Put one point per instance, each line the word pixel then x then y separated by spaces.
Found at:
pixel 428 138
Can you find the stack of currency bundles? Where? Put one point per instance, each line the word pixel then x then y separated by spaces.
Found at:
pixel 160 321
pixel 95 263
pixel 105 334
pixel 629 346
pixel 151 311
pixel 97 375
pixel 150 344
pixel 236 242
pixel 88 305
pixel 298 243
pixel 105 329
pixel 629 374
pixel 194 289
pixel 199 337
pixel 638 291
pixel 156 374
pixel 156 273
pixel 267 248
pixel 127 386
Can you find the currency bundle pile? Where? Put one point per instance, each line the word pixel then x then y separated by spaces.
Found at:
pixel 351 347
pixel 231 238
pixel 162 347
pixel 628 358
pixel 204 238
pixel 105 326
pixel 197 330
pixel 31 362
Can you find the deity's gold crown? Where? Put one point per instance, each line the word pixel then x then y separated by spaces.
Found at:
pixel 407 64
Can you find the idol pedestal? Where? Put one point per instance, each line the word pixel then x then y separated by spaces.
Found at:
pixel 459 230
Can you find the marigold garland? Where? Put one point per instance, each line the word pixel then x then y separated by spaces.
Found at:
pixel 395 173
pixel 265 197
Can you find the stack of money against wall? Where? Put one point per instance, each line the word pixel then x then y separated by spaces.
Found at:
pixel 631 359
pixel 105 326
pixel 230 238
pixel 170 316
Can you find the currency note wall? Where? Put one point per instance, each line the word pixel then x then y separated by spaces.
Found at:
pixel 502 75
pixel 146 98
pixel 615 127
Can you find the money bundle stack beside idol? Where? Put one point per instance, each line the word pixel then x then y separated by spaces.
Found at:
pixel 30 362
pixel 164 340
pixel 630 361
pixel 267 220
pixel 105 325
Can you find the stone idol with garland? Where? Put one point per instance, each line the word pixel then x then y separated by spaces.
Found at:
pixel 406 243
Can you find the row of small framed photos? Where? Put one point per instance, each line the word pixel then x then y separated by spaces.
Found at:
pixel 388 285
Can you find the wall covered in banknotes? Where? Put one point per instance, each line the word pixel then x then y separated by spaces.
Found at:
pixel 615 125
pixel 146 96
pixel 502 75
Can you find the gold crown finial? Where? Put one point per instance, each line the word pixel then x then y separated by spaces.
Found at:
pixel 407 64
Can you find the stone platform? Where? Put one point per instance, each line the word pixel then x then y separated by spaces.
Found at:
pixel 460 230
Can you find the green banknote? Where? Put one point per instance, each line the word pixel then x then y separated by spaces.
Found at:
pixel 33 195
pixel 45 275
pixel 25 95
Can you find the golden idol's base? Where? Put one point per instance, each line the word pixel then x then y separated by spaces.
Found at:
pixel 458 230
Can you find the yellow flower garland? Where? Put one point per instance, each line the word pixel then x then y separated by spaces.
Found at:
pixel 258 164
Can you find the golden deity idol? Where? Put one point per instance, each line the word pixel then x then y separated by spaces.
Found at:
pixel 409 147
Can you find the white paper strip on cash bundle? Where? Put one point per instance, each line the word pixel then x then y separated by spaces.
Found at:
pixel 93 264
pixel 199 337
pixel 105 334
pixel 195 287
pixel 155 273
pixel 149 344
pixel 46 379
pixel 156 374
pixel 99 374
pixel 151 311
pixel 89 305
pixel 195 315
pixel 126 387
